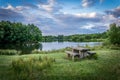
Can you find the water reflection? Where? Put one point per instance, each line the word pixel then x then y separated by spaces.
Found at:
pixel 24 48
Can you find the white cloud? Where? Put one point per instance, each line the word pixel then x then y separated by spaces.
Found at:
pixel 52 6
pixel 49 7
pixel 87 15
pixel 88 26
pixel 87 3
pixel 9 7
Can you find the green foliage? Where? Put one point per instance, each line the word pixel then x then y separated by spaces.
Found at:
pixel 77 37
pixel 19 33
pixel 93 56
pixel 25 69
pixel 114 34
pixel 49 38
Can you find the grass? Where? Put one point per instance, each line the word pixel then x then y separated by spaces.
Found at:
pixel 27 69
pixel 106 67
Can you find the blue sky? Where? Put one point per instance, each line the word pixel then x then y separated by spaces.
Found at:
pixel 65 17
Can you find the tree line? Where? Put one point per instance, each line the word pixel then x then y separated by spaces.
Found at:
pixel 77 37
pixel 14 32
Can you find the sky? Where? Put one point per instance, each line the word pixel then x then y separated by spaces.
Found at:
pixel 63 17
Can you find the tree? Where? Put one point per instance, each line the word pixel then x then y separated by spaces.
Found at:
pixel 114 34
pixel 19 33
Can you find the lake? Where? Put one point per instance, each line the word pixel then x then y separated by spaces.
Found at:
pixel 59 45
pixel 45 46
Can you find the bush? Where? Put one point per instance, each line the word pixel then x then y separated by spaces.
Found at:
pixel 27 69
pixel 9 52
pixel 93 56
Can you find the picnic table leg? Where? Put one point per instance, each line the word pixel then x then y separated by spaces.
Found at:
pixel 68 55
pixel 79 54
pixel 83 54
pixel 73 57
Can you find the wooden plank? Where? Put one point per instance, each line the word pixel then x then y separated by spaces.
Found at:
pixel 72 53
pixel 81 49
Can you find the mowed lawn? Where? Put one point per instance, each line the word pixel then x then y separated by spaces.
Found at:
pixel 106 67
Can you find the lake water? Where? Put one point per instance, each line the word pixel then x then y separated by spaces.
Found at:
pixel 45 46
pixel 59 45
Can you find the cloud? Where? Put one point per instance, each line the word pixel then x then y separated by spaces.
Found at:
pixel 33 4
pixel 88 3
pixel 86 15
pixel 77 23
pixel 51 6
pixel 78 18
pixel 9 7
pixel 53 24
pixel 30 5
pixel 8 14
pixel 114 12
pixel 47 16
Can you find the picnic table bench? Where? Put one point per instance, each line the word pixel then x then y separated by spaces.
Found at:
pixel 79 52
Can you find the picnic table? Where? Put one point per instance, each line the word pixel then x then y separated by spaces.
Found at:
pixel 79 52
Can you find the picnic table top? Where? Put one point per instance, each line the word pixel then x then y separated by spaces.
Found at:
pixel 80 49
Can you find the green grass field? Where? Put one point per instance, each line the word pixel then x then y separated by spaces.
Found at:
pixel 106 67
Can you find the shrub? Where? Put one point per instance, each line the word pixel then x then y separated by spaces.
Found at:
pixel 93 56
pixel 9 52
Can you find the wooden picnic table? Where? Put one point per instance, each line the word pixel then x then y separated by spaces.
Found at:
pixel 78 51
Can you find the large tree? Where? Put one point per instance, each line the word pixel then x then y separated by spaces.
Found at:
pixel 19 33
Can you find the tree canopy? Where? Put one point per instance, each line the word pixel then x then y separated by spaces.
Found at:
pixel 19 33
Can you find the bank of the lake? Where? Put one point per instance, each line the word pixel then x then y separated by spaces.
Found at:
pixel 106 67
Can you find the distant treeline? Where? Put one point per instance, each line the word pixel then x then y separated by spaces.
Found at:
pixel 77 37
pixel 12 32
